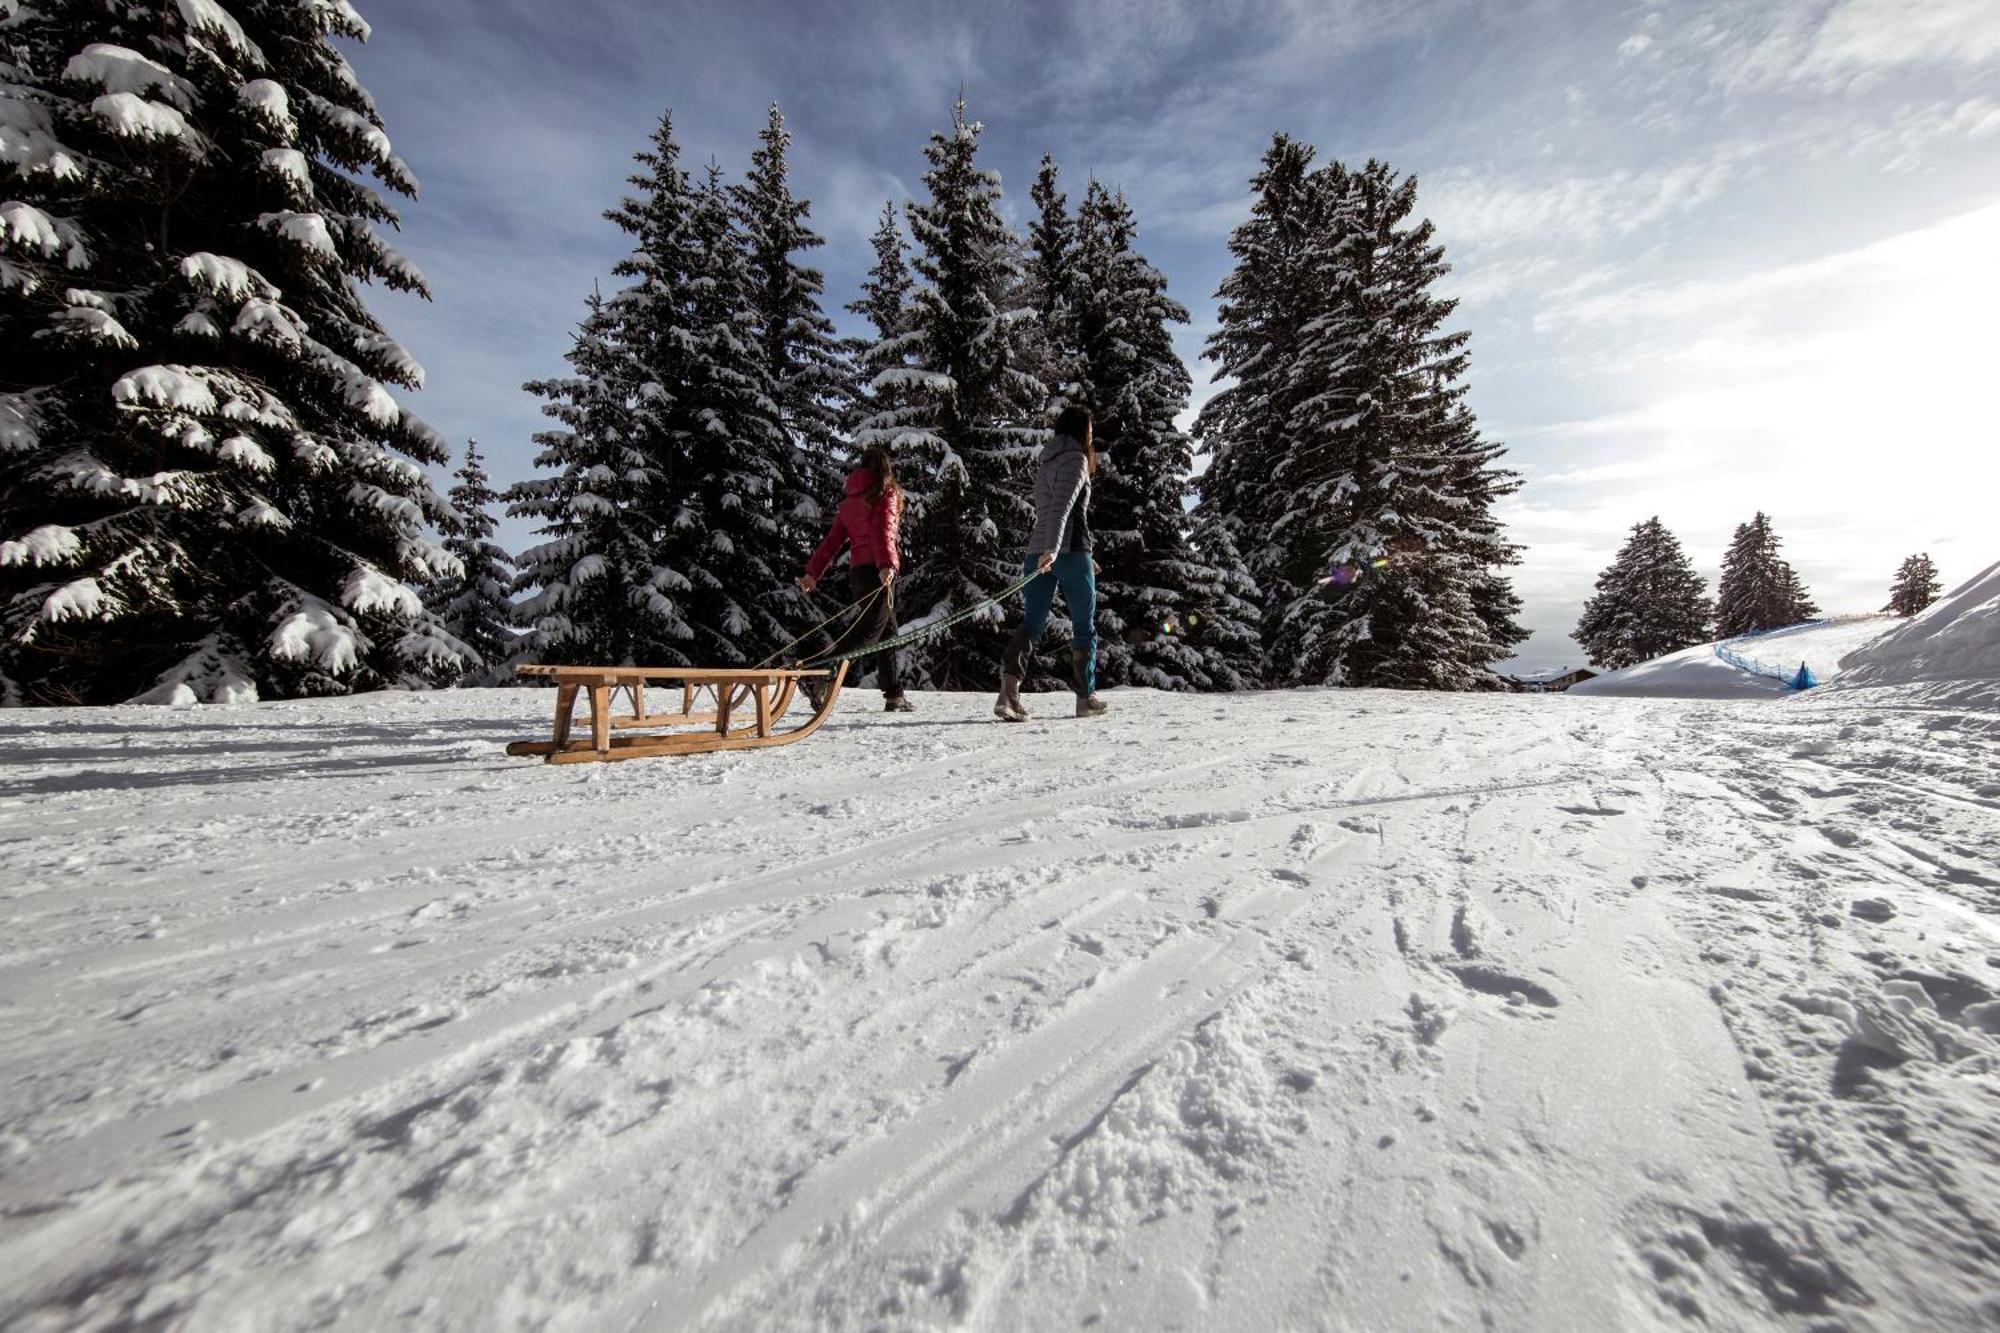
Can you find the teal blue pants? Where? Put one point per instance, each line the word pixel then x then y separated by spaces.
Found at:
pixel 1077 579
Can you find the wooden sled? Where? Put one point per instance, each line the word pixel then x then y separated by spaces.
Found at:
pixel 735 709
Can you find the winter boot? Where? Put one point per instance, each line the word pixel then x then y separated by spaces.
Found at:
pixel 1087 702
pixel 897 703
pixel 1008 706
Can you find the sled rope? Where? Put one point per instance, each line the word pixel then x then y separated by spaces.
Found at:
pixel 857 604
pixel 923 632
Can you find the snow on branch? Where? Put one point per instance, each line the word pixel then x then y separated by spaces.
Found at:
pixel 83 599
pixel 908 377
pixel 174 387
pixel 50 544
pixel 133 117
pixel 261 514
pixel 267 322
pixel 397 507
pixel 338 16
pixel 393 357
pixel 212 674
pixel 210 18
pixel 290 165
pixel 119 69
pixel 226 277
pixel 89 324
pixel 268 100
pixel 317 633
pixel 28 141
pixel 245 452
pixel 18 424
pixel 369 590
pixel 29 227
pixel 308 231
pixel 365 134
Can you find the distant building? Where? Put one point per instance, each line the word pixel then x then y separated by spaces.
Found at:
pixel 1549 682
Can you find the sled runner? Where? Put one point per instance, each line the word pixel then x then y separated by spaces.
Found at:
pixel 735 708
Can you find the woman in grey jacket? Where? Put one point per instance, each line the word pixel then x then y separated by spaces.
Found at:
pixel 1059 552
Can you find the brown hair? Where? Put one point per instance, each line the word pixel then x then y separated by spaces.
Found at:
pixel 1075 422
pixel 876 459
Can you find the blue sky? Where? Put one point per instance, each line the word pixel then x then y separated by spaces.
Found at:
pixel 1715 256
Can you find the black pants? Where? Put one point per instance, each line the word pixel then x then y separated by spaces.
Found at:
pixel 876 622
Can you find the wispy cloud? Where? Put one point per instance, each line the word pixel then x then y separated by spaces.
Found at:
pixel 1487 210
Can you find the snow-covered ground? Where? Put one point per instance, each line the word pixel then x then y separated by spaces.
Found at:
pixel 1700 673
pixel 1317 1009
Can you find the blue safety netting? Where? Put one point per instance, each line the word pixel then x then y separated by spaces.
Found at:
pixel 1793 678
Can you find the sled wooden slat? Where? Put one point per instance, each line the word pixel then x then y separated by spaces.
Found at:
pixel 746 707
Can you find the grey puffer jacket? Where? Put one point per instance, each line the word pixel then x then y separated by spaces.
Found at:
pixel 1062 499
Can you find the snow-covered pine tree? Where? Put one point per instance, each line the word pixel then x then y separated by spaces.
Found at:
pixel 595 590
pixel 1137 386
pixel 734 525
pixel 1220 611
pixel 475 605
pixel 885 293
pixel 206 489
pixel 1386 479
pixel 885 304
pixel 1267 300
pixel 976 412
pixel 1050 286
pixel 1649 602
pixel 1759 589
pixel 811 378
pixel 1916 586
pixel 673 529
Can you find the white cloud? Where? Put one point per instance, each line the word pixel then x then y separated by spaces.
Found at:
pixel 1843 394
pixel 1792 43
pixel 1485 210
pixel 1916 132
pixel 1874 34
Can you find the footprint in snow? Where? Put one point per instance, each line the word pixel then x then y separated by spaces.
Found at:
pixel 1492 981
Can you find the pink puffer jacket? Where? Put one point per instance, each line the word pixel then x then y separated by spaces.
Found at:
pixel 870 530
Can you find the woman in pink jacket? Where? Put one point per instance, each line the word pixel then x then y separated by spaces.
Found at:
pixel 867 523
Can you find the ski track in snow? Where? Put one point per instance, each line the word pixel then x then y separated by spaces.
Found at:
pixel 1310 1009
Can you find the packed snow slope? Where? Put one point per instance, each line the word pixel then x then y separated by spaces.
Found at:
pixel 1699 673
pixel 1348 1010
pixel 1953 643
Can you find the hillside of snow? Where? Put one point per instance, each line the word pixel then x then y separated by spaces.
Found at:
pixel 1955 643
pixel 1308 1009
pixel 1700 673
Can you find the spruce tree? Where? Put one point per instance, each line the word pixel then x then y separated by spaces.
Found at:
pixel 1649 602
pixel 206 489
pixel 735 524
pixel 1346 444
pixel 595 591
pixel 1759 590
pixel 1267 300
pixel 879 403
pixel 1051 287
pixel 474 605
pixel 1221 608
pixel 1916 586
pixel 811 379
pixel 973 424
pixel 674 513
pixel 1129 372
